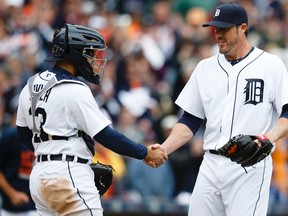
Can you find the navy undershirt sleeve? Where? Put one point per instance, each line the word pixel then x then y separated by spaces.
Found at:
pixel 119 143
pixel 25 135
pixel 284 113
pixel 191 121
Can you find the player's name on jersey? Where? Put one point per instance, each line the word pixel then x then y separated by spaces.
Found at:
pixel 45 96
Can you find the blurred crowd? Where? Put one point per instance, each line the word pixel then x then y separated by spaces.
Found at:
pixel 154 45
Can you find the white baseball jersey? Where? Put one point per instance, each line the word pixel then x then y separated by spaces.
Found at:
pixel 63 110
pixel 61 187
pixel 245 98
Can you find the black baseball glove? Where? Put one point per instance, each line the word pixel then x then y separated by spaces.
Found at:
pixel 103 176
pixel 243 149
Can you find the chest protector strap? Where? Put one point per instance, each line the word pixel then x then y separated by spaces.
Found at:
pixel 36 95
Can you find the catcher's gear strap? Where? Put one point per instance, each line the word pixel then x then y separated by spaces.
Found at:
pixel 120 144
pixel 36 95
pixel 191 121
pixel 56 77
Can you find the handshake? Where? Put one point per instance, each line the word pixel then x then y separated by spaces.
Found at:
pixel 156 156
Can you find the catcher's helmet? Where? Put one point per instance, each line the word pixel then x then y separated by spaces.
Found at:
pixel 84 47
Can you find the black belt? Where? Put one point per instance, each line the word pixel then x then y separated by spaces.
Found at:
pixel 53 137
pixel 45 137
pixel 58 157
pixel 212 151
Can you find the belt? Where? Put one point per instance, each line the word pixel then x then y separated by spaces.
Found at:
pixel 61 157
pixel 45 137
pixel 212 151
pixel 53 137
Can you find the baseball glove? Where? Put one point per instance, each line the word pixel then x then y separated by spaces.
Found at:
pixel 243 149
pixel 103 176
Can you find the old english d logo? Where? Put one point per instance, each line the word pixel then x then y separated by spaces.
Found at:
pixel 217 13
pixel 254 91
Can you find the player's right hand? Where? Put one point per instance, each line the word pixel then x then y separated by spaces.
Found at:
pixel 19 198
pixel 156 156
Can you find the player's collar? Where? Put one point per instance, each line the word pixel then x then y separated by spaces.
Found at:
pixel 233 62
pixel 62 74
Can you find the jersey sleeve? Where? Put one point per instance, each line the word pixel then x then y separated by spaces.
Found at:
pixel 189 98
pixel 21 111
pixel 281 85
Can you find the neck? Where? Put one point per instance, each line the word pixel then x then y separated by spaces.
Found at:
pixel 238 52
pixel 235 61
pixel 67 66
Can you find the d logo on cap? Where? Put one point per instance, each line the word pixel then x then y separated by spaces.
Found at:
pixel 217 12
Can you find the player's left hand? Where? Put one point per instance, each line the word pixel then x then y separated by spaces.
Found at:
pixel 247 150
pixel 103 176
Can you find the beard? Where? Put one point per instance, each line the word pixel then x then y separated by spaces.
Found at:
pixel 227 47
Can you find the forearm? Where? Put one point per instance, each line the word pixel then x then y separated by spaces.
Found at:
pixel 5 186
pixel 278 131
pixel 120 144
pixel 179 136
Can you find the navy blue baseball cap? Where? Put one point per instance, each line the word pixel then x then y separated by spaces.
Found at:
pixel 228 15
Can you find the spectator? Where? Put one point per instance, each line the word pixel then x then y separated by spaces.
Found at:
pixel 16 162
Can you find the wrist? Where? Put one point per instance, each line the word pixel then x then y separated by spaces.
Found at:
pixel 147 153
pixel 270 137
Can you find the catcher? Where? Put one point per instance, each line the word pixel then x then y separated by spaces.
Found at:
pixel 58 112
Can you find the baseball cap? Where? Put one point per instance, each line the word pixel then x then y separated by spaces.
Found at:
pixel 228 15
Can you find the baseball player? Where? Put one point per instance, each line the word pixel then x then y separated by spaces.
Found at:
pixel 241 90
pixel 59 114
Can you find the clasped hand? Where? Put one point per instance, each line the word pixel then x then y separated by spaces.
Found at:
pixel 156 156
